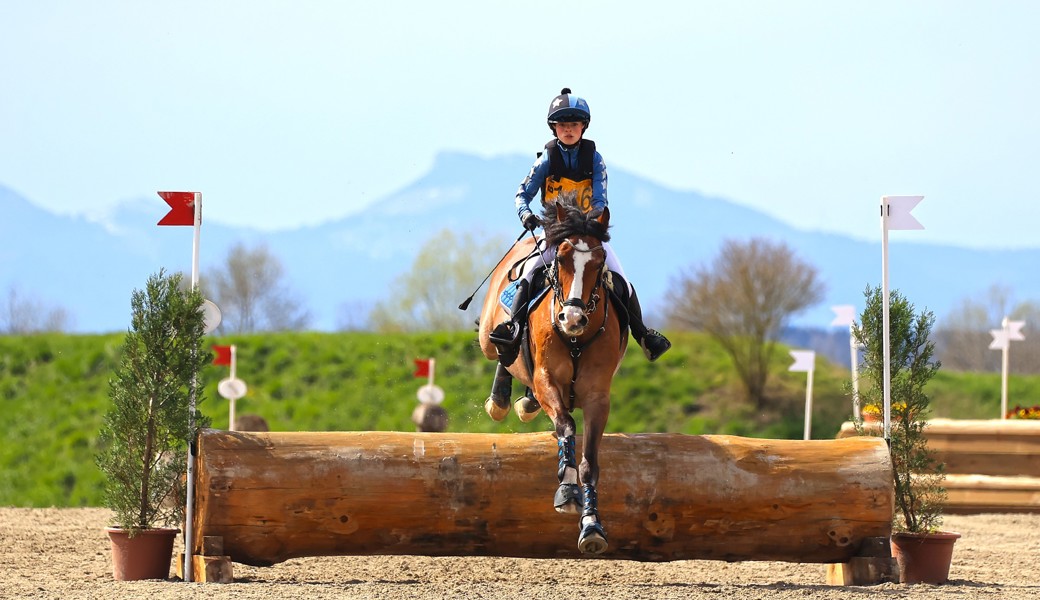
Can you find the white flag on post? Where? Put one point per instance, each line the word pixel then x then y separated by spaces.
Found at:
pixel 1000 339
pixel 845 315
pixel 1015 331
pixel 896 211
pixel 804 361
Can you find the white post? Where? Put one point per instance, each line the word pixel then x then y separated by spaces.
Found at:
pixel 189 509
pixel 808 406
pixel 895 214
pixel 231 402
pixel 1004 370
pixel 885 334
pixel 433 364
pixel 1002 338
pixel 805 360
pixel 854 351
pixel 845 314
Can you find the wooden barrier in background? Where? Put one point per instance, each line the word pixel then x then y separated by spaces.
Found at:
pixel 992 465
pixel 275 496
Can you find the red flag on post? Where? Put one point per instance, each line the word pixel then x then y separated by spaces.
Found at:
pixel 223 356
pixel 182 208
pixel 422 367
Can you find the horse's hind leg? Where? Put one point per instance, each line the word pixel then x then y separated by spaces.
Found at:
pixel 592 538
pixel 527 406
pixel 497 404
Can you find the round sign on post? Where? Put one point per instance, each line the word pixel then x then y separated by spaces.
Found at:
pixel 211 317
pixel 430 394
pixel 231 388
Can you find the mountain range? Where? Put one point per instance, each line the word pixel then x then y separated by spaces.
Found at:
pixel 90 266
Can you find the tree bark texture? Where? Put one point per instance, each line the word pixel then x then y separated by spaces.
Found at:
pixel 274 496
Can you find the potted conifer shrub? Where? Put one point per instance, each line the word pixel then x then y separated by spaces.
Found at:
pixel 143 441
pixel 923 551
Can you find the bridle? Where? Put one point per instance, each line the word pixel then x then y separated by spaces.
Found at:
pixel 576 346
pixel 552 276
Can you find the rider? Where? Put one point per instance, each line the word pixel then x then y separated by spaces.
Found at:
pixel 570 164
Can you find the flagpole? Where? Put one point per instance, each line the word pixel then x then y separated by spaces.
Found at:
pixel 189 509
pixel 1004 369
pixel 433 364
pixel 854 351
pixel 885 333
pixel 846 315
pixel 808 405
pixel 231 409
pixel 805 360
pixel 898 217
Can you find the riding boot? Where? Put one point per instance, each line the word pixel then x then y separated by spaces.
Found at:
pixel 653 343
pixel 506 335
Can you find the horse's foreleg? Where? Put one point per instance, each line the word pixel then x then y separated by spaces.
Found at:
pixel 497 404
pixel 568 494
pixel 592 538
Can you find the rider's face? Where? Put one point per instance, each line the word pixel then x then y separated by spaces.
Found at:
pixel 569 133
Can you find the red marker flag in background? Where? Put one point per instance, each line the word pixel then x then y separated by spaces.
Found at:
pixel 223 355
pixel 422 367
pixel 182 208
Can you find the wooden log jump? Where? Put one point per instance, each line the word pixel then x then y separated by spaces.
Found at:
pixel 992 465
pixel 275 496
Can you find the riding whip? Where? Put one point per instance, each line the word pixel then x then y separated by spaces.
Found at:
pixel 465 303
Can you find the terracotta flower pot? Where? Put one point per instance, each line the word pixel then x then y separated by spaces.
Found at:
pixel 147 555
pixel 924 557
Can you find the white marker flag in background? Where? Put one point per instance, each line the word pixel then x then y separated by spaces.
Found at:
pixel 805 361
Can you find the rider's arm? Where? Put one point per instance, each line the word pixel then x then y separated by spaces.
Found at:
pixel 599 182
pixel 532 185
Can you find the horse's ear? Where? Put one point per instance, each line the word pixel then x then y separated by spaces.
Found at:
pixel 604 217
pixel 561 212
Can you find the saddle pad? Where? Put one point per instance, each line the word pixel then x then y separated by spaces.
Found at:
pixel 506 299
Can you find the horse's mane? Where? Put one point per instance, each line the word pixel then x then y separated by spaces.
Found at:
pixel 575 222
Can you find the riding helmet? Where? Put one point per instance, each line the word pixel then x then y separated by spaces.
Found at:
pixel 568 108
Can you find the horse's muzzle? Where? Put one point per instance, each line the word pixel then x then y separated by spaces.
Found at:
pixel 572 319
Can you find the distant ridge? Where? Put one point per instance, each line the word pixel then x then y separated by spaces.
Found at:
pixel 90 268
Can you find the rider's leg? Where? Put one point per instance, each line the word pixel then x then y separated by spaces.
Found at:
pixel 653 343
pixel 506 335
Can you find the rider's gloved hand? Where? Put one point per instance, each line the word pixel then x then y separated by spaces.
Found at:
pixel 531 221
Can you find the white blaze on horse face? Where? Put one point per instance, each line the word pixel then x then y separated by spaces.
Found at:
pixel 574 320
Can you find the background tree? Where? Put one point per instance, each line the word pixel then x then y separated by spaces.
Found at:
pixel 21 314
pixel 963 338
pixel 743 299
pixel 353 315
pixel 252 294
pixel 444 273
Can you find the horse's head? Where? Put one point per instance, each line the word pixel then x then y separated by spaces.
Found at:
pixel 577 276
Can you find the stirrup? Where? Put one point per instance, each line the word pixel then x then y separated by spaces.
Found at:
pixel 654 344
pixel 506 338
pixel 506 333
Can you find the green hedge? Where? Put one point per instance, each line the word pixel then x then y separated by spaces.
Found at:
pixel 54 392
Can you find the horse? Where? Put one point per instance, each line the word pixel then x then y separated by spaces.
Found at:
pixel 574 345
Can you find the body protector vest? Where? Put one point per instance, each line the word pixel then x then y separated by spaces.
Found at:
pixel 563 179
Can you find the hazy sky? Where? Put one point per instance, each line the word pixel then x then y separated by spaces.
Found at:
pixel 290 113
